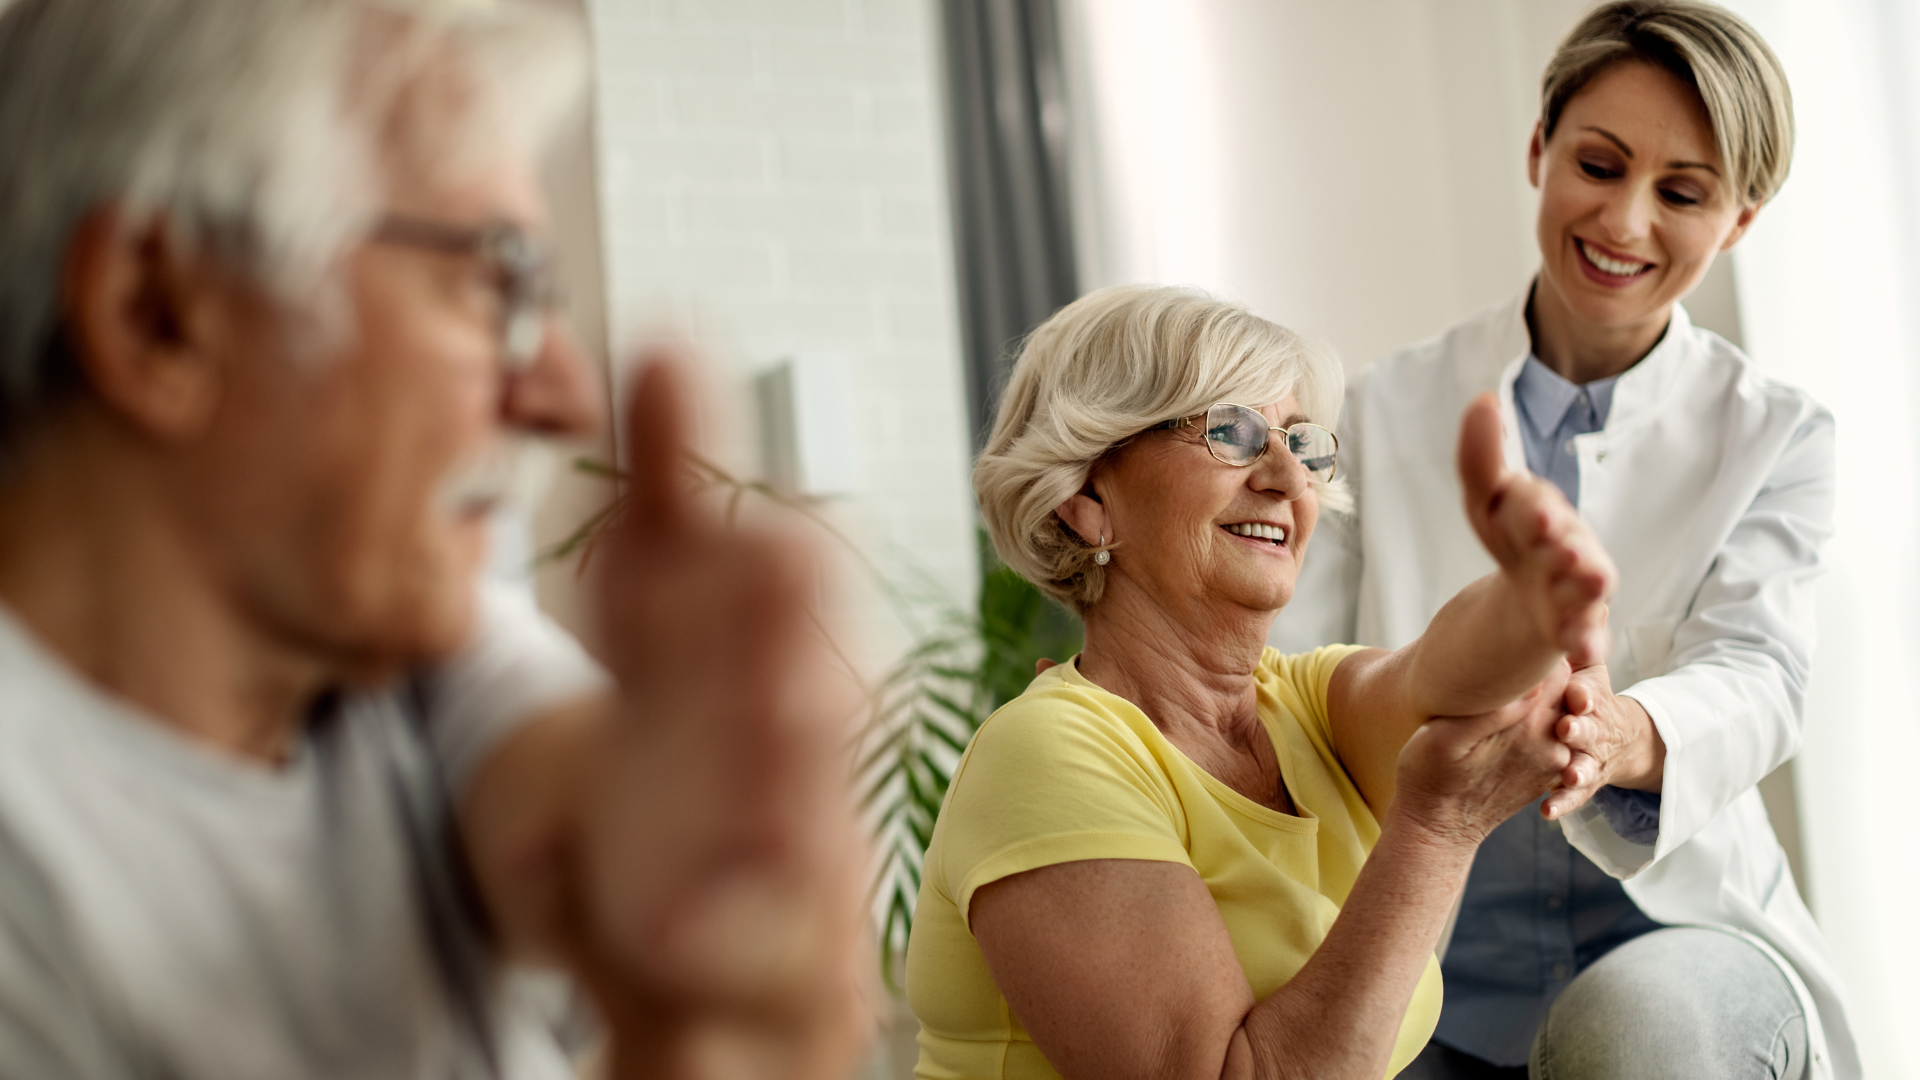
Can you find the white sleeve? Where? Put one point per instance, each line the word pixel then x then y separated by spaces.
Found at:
pixel 519 664
pixel 1326 596
pixel 51 1022
pixel 1731 704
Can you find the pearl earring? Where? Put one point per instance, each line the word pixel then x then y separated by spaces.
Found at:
pixel 1102 557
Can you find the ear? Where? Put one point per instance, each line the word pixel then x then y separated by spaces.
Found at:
pixel 141 319
pixel 1740 225
pixel 1086 515
pixel 1536 149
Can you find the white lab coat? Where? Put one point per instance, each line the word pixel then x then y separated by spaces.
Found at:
pixel 1712 487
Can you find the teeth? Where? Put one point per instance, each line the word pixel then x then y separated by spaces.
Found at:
pixel 1611 266
pixel 1261 532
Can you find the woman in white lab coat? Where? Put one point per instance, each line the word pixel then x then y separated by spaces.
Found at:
pixel 1665 127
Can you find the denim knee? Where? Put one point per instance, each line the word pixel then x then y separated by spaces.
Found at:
pixel 1689 1002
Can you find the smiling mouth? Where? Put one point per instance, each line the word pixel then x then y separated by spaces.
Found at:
pixel 1274 535
pixel 1618 268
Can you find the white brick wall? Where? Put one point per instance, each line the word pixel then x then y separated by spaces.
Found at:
pixel 772 182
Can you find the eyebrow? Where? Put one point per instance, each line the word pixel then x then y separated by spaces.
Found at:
pixel 1296 418
pixel 1617 141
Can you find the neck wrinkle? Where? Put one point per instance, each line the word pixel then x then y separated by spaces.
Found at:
pixel 1181 673
pixel 97 568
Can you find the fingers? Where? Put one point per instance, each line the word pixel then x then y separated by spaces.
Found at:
pixel 1481 463
pixel 1555 559
pixel 1579 781
pixel 1554 686
pixel 657 490
pixel 1041 665
pixel 720 858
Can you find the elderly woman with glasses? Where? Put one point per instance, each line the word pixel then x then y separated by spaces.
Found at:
pixel 1182 853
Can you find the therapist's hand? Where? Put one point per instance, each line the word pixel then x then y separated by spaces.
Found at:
pixel 1613 740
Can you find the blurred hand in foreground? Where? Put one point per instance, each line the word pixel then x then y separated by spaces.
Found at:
pixel 719 861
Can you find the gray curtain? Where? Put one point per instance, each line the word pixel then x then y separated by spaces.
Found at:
pixel 1013 233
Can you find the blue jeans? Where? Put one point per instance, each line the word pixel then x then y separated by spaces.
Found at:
pixel 1683 1002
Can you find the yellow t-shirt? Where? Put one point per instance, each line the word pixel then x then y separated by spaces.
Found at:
pixel 1068 771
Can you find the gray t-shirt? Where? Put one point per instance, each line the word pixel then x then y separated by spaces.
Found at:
pixel 171 911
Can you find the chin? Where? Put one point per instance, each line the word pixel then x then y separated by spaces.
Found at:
pixel 445 609
pixel 1265 596
pixel 409 612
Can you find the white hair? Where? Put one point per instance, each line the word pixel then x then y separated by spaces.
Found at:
pixel 251 129
pixel 1103 369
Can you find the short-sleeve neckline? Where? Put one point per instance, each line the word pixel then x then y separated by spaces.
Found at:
pixel 1305 823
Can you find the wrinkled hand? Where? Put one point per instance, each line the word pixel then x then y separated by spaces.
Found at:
pixel 719 860
pixel 1539 540
pixel 1459 778
pixel 1613 742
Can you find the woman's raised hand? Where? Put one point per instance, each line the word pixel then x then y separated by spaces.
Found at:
pixel 1561 572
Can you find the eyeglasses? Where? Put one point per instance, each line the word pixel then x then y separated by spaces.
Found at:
pixel 523 272
pixel 1238 435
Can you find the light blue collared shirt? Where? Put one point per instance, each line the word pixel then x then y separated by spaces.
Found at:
pixel 1552 411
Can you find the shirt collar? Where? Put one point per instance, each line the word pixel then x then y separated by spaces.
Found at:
pixel 1544 396
pixel 1630 396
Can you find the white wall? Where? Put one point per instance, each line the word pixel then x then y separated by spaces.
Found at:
pixel 1356 171
pixel 773 182
pixel 1829 280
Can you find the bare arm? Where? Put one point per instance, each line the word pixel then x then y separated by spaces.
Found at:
pixel 1497 637
pixel 1119 968
pixel 685 846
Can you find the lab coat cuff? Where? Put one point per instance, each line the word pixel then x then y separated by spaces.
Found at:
pixel 1633 815
pixel 1673 802
pixel 1627 840
pixel 1588 829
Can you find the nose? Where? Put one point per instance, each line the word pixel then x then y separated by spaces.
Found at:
pixel 1628 214
pixel 558 394
pixel 1279 471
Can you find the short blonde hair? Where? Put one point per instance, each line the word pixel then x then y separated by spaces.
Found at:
pixel 1105 368
pixel 1711 49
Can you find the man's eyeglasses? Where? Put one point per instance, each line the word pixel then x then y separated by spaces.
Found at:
pixel 524 273
pixel 1238 435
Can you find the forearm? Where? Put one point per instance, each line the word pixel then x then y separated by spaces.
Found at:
pixel 1482 650
pixel 517 821
pixel 1340 1016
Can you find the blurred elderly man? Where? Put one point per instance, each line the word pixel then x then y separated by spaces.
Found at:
pixel 283 791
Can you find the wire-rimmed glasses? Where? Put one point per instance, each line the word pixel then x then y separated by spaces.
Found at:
pixel 523 273
pixel 1237 435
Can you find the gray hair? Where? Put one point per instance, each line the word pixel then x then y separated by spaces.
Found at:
pixel 1709 48
pixel 250 129
pixel 1105 368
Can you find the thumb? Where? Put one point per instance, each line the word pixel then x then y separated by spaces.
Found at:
pixel 1482 465
pixel 658 492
